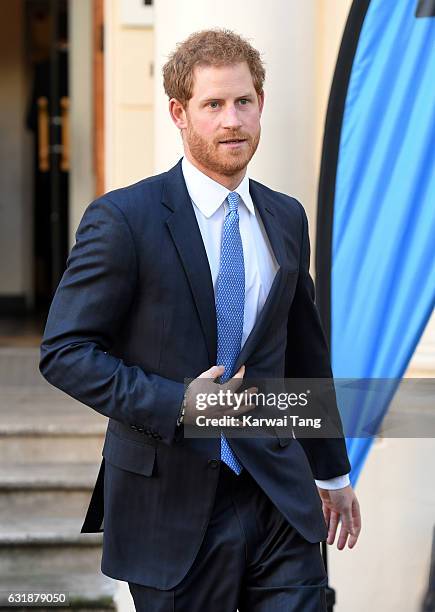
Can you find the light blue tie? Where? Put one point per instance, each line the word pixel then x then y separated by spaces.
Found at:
pixel 230 305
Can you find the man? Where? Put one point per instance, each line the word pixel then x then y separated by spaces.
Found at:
pixel 201 273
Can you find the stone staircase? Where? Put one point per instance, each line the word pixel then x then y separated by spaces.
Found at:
pixel 50 451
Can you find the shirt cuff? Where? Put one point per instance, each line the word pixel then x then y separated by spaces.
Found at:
pixel 334 483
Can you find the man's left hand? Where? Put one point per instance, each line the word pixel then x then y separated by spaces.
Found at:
pixel 341 505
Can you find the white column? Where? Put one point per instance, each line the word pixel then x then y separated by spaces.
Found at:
pixel 285 33
pixel 81 179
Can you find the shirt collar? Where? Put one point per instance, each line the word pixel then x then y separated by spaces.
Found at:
pixel 207 194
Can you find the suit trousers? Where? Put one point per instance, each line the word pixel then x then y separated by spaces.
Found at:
pixel 251 559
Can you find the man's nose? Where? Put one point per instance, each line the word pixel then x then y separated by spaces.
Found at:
pixel 231 118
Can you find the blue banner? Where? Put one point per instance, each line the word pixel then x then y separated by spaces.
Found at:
pixel 379 214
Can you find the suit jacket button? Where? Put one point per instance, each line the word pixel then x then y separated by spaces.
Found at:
pixel 213 463
pixel 156 435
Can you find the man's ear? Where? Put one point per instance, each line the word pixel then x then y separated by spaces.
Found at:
pixel 260 101
pixel 178 113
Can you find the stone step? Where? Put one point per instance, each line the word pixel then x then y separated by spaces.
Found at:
pixel 50 452
pixel 46 489
pixel 45 425
pixel 46 410
pixel 19 366
pixel 85 591
pixel 52 546
pixel 50 448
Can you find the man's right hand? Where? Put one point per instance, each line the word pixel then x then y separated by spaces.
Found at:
pixel 205 384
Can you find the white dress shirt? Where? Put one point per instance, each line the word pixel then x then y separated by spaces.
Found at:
pixel 209 204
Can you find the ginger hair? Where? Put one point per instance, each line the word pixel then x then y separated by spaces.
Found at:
pixel 217 47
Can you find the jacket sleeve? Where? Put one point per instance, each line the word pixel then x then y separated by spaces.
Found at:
pixel 307 356
pixel 88 309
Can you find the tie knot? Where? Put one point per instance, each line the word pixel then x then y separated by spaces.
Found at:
pixel 233 201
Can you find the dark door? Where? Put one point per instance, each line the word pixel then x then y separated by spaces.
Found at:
pixel 48 118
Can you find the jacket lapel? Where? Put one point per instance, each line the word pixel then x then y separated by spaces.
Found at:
pixel 264 205
pixel 185 232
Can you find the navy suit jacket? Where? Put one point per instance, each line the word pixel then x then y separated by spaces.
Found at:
pixel 132 318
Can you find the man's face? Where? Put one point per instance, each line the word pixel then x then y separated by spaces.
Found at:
pixel 222 119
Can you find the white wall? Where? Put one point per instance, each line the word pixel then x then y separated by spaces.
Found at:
pixel 129 99
pixel 388 570
pixel 423 361
pixel 331 17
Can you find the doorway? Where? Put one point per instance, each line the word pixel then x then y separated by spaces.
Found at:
pixel 47 118
pixel 42 139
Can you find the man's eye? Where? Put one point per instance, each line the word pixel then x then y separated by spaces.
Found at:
pixel 214 104
pixel 243 101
